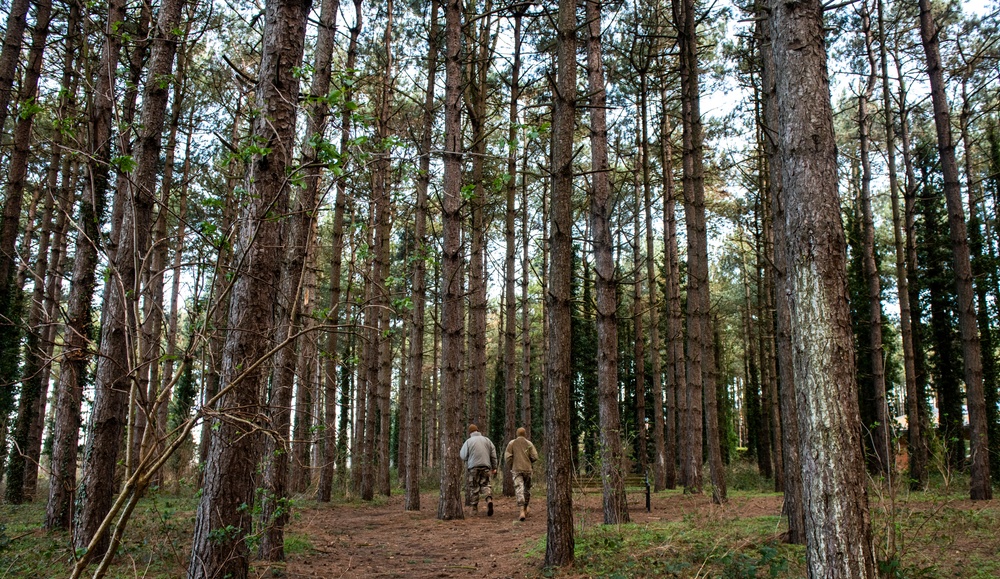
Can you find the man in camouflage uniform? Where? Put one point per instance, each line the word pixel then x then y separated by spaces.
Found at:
pixel 519 457
pixel 480 458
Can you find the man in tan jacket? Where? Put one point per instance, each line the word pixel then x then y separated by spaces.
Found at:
pixel 519 457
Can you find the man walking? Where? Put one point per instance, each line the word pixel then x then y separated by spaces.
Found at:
pixel 519 457
pixel 480 458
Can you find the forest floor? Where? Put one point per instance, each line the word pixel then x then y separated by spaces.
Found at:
pixel 933 534
pixel 383 540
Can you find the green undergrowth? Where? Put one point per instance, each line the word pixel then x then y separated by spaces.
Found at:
pixel 934 534
pixel 695 546
pixel 156 545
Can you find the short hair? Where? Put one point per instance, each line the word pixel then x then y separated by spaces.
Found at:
pixel 522 432
pixel 473 428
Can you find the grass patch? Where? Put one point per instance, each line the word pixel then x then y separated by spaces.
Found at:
pixel 695 546
pixel 156 543
pixel 297 544
pixel 934 534
pixel 742 475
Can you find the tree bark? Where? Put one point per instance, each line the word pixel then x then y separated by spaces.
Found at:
pixel 601 207
pixel 219 296
pixel 980 263
pixel 32 392
pixel 222 523
pixel 450 500
pixel 306 392
pixel 113 375
pixel 422 250
pixel 525 316
pixel 558 456
pixel 136 48
pixel 697 242
pixel 298 246
pixel 383 223
pixel 10 55
pixel 881 435
pixel 510 300
pixel 659 450
pixel 78 314
pixel 639 338
pixel 838 528
pixel 915 406
pixel 336 264
pixel 917 474
pixel 480 39
pixel 156 400
pixel 791 465
pixel 676 376
pixel 719 493
pixel 979 483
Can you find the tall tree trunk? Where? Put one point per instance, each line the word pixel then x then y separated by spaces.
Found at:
pixel 719 494
pixel 31 390
pixel 838 528
pixel 162 410
pixel 915 405
pixel 525 306
pixel 298 245
pixel 136 48
pixel 336 266
pixel 37 343
pixel 450 501
pixel 433 416
pixel 78 315
pixel 156 399
pixel 601 207
pixel 510 300
pixel 10 55
pixel 980 265
pixel 675 331
pixel 306 397
pixel 219 297
pixel 112 380
pixel 639 343
pixel 756 443
pixel 53 295
pixel 368 380
pixel 480 36
pixel 422 250
pixel 880 432
pixel 136 53
pixel 791 466
pixel 382 346
pixel 559 469
pixel 694 211
pixel 768 356
pixel 659 451
pixel 979 483
pixel 918 473
pixel 234 452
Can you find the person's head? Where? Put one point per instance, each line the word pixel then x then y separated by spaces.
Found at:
pixel 473 428
pixel 521 431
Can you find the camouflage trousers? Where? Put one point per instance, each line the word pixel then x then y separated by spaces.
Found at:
pixel 522 488
pixel 479 484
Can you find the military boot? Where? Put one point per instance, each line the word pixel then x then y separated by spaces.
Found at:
pixel 524 513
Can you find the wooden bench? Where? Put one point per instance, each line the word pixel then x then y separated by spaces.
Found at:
pixel 633 483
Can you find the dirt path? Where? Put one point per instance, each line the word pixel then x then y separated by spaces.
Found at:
pixel 357 541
